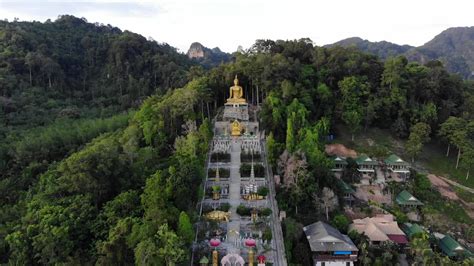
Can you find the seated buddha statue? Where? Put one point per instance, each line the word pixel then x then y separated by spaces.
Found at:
pixel 236 128
pixel 236 93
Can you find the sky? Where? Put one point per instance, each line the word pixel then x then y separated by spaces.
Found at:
pixel 228 24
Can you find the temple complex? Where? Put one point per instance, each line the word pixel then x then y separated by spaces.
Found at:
pixel 238 223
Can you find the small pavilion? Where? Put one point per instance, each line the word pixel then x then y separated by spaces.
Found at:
pixel 396 165
pixel 340 164
pixel 366 164
pixel 407 200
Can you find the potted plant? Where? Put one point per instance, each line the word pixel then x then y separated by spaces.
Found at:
pixel 216 192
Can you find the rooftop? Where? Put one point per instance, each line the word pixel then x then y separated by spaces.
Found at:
pixel 394 159
pixel 339 159
pixel 405 198
pixel 364 159
pixel 346 188
pixel 450 246
pixel 323 237
pixel 412 229
pixel 379 229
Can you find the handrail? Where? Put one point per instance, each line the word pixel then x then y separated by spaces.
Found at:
pixel 276 230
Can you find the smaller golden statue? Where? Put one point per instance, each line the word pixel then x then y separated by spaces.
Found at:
pixel 252 197
pixel 236 128
pixel 236 93
pixel 218 216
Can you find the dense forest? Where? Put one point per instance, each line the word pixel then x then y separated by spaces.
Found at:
pixel 63 85
pixel 73 68
pixel 94 170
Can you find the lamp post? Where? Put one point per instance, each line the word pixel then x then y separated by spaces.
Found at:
pixel 250 243
pixel 215 256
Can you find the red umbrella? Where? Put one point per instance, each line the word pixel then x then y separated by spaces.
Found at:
pixel 215 242
pixel 250 242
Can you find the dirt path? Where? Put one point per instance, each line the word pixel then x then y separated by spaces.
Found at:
pixel 456 184
pixel 443 185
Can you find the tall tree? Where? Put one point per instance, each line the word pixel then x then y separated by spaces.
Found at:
pixel 171 247
pixel 296 121
pixel 354 100
pixel 467 159
pixel 419 134
pixel 185 228
pixel 393 81
pixel 329 201
pixel 453 131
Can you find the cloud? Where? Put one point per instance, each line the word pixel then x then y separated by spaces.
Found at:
pixel 227 23
pixel 51 9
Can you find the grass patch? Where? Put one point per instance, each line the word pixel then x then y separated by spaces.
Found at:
pixel 456 212
pixel 435 203
pixel 464 195
pixel 245 169
pixel 433 157
pixel 374 142
pixel 449 209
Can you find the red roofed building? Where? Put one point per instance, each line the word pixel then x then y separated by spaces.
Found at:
pixel 378 229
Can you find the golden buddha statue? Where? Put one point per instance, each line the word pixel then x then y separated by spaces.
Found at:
pixel 236 128
pixel 218 216
pixel 236 93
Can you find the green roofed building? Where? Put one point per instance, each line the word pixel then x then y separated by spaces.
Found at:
pixel 348 191
pixel 366 164
pixel 412 229
pixel 340 163
pixel 398 166
pixel 452 248
pixel 407 199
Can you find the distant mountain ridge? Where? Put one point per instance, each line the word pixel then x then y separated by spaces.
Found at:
pixel 206 56
pixel 454 47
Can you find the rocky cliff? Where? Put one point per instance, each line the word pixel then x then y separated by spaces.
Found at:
pixel 207 57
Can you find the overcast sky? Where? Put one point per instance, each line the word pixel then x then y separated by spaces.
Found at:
pixel 227 24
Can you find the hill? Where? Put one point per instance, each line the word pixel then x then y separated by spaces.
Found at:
pixel 70 67
pixel 454 47
pixel 206 56
pixel 383 49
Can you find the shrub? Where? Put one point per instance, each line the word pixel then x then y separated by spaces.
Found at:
pixel 266 212
pixel 246 168
pixel 224 207
pixel 243 211
pixel 247 157
pixel 262 191
pixel 267 234
pixel 341 222
pixel 220 157
pixel 223 172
